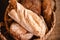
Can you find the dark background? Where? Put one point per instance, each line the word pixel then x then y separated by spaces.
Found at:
pixel 3 5
pixel 55 35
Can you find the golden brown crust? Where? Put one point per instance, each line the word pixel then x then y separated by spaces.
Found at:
pixel 47 9
pixel 34 5
pixel 19 32
pixel 33 8
pixel 13 3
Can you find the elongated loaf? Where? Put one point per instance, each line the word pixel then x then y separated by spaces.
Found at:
pixel 19 32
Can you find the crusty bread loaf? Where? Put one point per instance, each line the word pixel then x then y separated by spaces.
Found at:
pixel 19 32
pixel 29 20
pixel 47 10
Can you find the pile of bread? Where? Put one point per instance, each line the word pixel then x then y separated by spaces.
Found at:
pixel 29 18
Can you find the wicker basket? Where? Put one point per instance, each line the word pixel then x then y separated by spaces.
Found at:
pixel 7 20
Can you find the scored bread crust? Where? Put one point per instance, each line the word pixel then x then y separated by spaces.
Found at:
pixel 30 24
pixel 10 8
